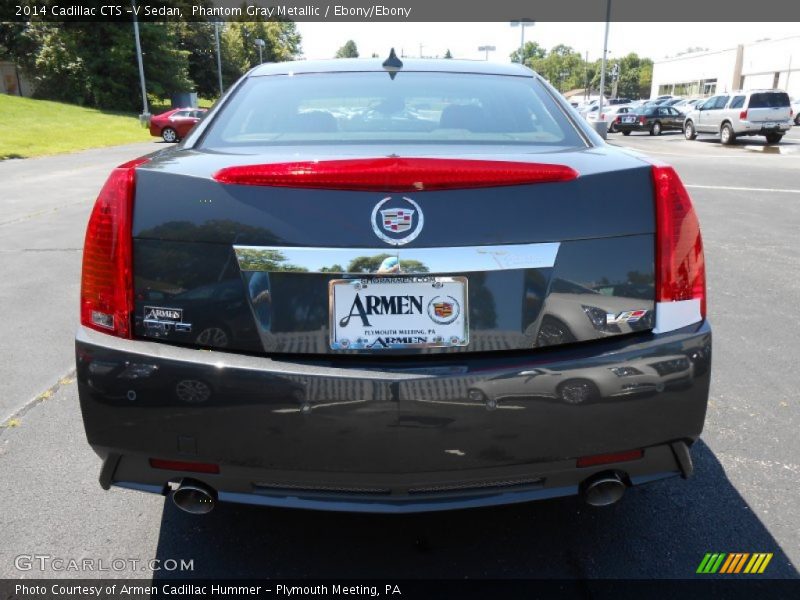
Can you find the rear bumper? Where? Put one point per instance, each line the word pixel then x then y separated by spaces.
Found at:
pixel 748 128
pixel 387 435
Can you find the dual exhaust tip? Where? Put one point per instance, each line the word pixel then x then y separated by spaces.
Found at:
pixel 194 497
pixel 602 489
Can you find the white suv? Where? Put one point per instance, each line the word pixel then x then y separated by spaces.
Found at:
pixel 754 112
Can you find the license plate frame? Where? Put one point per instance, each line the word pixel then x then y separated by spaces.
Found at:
pixel 437 317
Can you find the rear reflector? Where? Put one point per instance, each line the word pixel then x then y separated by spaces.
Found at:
pixel 182 465
pixel 605 459
pixel 680 265
pixel 107 274
pixel 394 174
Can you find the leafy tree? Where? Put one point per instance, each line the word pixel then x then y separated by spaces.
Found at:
pixel 530 51
pixel 635 76
pixel 349 50
pixel 240 54
pixel 448 54
pixel 371 264
pixel 562 67
pixel 197 38
pixel 95 63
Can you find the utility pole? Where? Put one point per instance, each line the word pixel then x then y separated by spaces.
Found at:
pixel 603 66
pixel 486 49
pixel 219 57
pixel 586 78
pixel 522 24
pixel 260 43
pixel 145 111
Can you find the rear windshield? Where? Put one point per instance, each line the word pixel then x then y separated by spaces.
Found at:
pixel 769 100
pixel 371 107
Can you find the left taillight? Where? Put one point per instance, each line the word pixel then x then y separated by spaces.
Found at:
pixel 107 273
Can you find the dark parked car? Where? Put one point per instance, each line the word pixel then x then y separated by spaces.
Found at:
pixel 356 285
pixel 653 119
pixel 173 125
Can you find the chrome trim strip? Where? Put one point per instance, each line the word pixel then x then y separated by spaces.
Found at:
pixel 434 261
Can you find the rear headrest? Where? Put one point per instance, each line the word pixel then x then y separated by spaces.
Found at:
pixel 315 121
pixel 463 116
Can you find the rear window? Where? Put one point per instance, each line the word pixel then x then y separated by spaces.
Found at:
pixel 371 107
pixel 769 100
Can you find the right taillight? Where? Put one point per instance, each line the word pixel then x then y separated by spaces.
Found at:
pixel 680 266
pixel 107 274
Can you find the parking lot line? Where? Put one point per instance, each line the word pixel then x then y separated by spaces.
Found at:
pixel 741 189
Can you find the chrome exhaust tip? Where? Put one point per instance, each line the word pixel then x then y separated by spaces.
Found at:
pixel 194 498
pixel 603 489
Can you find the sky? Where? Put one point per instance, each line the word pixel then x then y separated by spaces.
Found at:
pixel 653 40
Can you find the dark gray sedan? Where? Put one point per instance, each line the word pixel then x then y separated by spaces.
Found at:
pixel 392 287
pixel 653 119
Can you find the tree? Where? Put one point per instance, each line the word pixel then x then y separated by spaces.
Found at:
pixel 530 51
pixel 635 76
pixel 562 67
pixel 95 63
pixel 349 50
pixel 448 54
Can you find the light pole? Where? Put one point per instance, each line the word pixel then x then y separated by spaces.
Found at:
pixel 260 43
pixel 219 56
pixel 145 110
pixel 603 73
pixel 522 24
pixel 486 49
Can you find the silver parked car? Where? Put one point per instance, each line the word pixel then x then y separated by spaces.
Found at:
pixel 754 112
pixel 610 114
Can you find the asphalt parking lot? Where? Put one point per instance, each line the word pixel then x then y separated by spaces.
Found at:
pixel 743 497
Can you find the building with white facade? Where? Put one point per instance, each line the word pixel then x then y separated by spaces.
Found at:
pixel 764 64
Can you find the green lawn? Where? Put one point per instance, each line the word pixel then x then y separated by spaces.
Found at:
pixel 37 127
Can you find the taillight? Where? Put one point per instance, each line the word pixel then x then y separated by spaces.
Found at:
pixel 395 174
pixel 743 114
pixel 184 465
pixel 606 459
pixel 641 120
pixel 107 275
pixel 618 120
pixel 680 266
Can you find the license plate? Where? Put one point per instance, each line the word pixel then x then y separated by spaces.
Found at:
pixel 394 313
pixel 628 119
pixel 770 125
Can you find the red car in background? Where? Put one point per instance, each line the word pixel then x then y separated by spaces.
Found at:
pixel 176 123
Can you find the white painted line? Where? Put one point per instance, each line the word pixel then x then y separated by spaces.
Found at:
pixel 740 189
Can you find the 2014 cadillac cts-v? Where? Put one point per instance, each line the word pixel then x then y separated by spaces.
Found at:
pixel 392 287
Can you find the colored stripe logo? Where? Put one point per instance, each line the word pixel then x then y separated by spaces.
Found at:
pixel 735 562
